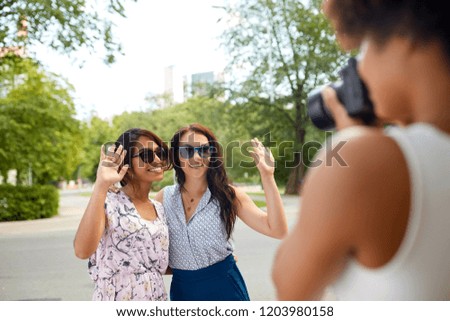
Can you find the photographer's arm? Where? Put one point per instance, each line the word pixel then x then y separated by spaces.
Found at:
pixel 314 251
pixel 347 211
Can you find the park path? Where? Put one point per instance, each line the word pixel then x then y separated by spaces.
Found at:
pixel 38 255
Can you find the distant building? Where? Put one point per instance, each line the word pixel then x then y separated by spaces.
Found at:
pixel 22 33
pixel 17 50
pixel 203 78
pixel 201 82
pixel 180 88
pixel 173 84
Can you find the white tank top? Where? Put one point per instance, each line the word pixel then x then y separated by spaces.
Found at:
pixel 420 270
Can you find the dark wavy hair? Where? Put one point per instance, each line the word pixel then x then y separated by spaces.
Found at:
pixel 129 139
pixel 418 19
pixel 218 182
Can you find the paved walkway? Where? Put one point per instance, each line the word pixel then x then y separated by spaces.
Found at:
pixel 252 248
pixel 71 208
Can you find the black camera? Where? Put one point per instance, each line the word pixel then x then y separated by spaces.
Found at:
pixel 351 92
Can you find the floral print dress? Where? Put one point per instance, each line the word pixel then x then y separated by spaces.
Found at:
pixel 132 254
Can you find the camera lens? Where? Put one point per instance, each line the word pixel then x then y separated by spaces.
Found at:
pixel 319 114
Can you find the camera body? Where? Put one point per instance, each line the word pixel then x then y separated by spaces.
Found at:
pixel 351 92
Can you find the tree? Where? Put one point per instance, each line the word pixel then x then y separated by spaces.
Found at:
pixel 280 50
pixel 64 25
pixel 95 132
pixel 218 116
pixel 38 130
pixel 206 110
pixel 254 119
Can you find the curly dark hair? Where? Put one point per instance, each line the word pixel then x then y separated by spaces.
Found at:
pixel 420 20
pixel 129 139
pixel 217 179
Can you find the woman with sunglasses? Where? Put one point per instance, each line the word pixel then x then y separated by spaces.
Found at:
pixel 123 232
pixel 202 209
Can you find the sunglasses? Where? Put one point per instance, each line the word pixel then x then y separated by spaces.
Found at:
pixel 148 155
pixel 188 151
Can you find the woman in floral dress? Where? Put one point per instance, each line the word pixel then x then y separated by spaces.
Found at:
pixel 124 233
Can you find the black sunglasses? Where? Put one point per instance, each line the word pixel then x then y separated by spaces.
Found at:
pixel 148 155
pixel 188 151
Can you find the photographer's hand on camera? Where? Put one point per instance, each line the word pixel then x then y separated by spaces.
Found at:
pixel 340 115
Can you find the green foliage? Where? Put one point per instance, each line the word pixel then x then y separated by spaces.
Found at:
pixel 167 180
pixel 165 122
pixel 28 202
pixel 280 51
pixel 129 120
pixel 64 25
pixel 215 115
pixel 95 133
pixel 234 126
pixel 285 46
pixel 39 130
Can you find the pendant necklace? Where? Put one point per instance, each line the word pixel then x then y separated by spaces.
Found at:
pixel 189 204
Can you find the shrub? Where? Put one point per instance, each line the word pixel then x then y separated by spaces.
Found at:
pixel 19 203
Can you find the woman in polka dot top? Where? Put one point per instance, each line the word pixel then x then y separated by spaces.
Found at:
pixel 201 211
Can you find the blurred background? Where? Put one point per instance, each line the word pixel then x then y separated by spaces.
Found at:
pixel 75 74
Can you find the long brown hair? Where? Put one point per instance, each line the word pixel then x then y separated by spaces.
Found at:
pixel 216 175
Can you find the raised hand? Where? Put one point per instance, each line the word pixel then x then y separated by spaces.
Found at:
pixel 263 158
pixel 109 170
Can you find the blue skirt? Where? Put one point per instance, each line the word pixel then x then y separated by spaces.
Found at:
pixel 221 281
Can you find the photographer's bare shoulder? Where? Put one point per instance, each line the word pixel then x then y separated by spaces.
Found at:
pixel 357 210
pixel 372 186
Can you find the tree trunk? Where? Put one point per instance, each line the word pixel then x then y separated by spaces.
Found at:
pixel 4 174
pixel 295 176
pixel 295 180
pixel 18 178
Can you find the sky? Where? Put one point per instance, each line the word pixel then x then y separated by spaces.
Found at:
pixel 155 34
